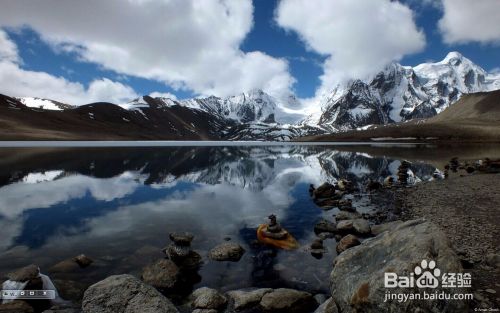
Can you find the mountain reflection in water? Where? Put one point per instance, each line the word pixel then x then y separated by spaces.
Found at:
pixel 118 205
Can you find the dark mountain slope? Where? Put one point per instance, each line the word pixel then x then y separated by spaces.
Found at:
pixel 105 121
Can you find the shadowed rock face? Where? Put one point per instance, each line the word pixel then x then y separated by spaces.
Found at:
pixel 357 279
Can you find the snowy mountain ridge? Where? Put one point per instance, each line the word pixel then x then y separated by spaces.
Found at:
pixel 401 93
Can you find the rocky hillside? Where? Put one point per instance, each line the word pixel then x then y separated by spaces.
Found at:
pixel 474 118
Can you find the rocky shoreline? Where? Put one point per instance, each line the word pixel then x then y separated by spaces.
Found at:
pixel 450 222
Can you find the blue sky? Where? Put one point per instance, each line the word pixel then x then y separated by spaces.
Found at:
pixel 290 58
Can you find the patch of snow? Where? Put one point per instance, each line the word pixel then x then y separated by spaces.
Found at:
pixel 39 103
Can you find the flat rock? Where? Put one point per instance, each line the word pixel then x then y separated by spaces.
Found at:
pixel 357 279
pixel 378 229
pixel 227 251
pixel 207 298
pixel 243 299
pixel 347 242
pixel 325 226
pixel 125 294
pixel 345 215
pixel 288 301
pixel 24 274
pixel 161 274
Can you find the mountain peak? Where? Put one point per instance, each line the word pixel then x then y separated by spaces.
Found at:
pixel 452 58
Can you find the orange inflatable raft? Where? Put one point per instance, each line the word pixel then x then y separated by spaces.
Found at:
pixel 287 243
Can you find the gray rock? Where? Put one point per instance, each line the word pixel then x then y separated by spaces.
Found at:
pixel 244 299
pixel 325 226
pixel 347 242
pixel 64 309
pixel 359 226
pixel 161 274
pixel 83 260
pixel 321 298
pixel 378 229
pixel 16 306
pixel 328 306
pixel 345 215
pixel 204 311
pixel 357 279
pixel 182 239
pixel 26 273
pixel 227 252
pixel 125 294
pixel 493 260
pixel 288 301
pixel 207 298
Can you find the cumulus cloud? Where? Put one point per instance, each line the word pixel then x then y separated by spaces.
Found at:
pixel 467 21
pixel 359 37
pixel 18 82
pixel 8 49
pixel 190 44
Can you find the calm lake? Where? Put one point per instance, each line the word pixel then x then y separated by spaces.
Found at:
pixel 117 205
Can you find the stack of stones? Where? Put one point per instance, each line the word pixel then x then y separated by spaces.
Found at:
pixel 274 230
pixel 403 172
pixel 179 251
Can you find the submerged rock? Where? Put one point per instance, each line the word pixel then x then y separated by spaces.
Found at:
pixel 347 242
pixel 227 252
pixel 162 274
pixel 325 226
pixel 207 298
pixel 288 301
pixel 357 279
pixel 125 294
pixel 326 190
pixel 244 299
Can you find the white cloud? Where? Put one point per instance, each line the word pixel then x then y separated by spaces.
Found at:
pixel 359 37
pixel 157 94
pixel 466 21
pixel 8 50
pixel 191 44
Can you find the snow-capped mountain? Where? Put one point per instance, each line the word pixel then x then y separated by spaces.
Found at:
pixel 252 106
pixel 45 104
pixel 396 94
pixel 401 93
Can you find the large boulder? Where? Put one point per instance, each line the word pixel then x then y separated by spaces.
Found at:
pixel 288 301
pixel 162 274
pixel 227 252
pixel 357 279
pixel 207 299
pixel 378 229
pixel 244 299
pixel 125 294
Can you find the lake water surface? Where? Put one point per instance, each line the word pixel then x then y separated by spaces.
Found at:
pixel 117 205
